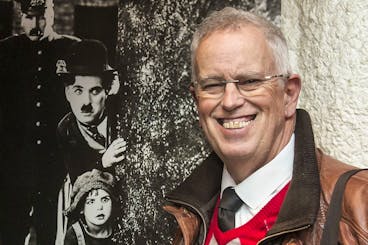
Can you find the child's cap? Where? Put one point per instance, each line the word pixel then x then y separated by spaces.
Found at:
pixel 86 182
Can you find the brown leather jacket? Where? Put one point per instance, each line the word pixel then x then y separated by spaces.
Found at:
pixel 303 212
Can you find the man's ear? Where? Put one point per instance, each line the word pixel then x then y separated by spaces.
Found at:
pixel 67 93
pixel 195 98
pixel 291 94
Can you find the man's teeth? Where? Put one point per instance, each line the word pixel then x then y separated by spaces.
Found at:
pixel 236 124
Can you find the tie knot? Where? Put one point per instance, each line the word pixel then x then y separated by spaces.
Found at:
pixel 92 128
pixel 230 200
pixel 99 138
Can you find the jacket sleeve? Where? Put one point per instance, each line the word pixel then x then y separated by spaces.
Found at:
pixel 354 220
pixel 188 223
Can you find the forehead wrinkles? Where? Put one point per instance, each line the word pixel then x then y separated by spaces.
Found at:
pixel 234 52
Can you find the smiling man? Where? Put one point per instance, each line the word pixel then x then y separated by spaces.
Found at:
pixel 265 182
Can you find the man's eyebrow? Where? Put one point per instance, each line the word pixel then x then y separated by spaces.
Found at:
pixel 95 87
pixel 249 74
pixel 216 77
pixel 240 75
pixel 77 86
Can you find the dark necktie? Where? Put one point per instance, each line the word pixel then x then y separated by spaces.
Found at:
pixel 99 138
pixel 229 204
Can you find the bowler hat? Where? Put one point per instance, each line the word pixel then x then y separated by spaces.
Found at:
pixel 33 7
pixel 87 57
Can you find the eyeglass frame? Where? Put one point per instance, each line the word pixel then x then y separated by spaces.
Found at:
pixel 236 81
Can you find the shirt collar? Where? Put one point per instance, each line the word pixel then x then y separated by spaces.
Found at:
pixel 255 189
pixel 101 128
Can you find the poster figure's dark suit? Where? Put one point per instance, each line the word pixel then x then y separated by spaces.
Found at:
pixel 32 104
pixel 79 156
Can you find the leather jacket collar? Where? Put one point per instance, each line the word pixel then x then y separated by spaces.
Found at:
pixel 199 192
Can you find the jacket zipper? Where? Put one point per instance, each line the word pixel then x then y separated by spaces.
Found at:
pixel 195 209
pixel 283 233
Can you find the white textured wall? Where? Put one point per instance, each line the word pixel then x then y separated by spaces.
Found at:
pixel 328 41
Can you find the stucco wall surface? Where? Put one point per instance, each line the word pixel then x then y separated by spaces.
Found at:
pixel 329 48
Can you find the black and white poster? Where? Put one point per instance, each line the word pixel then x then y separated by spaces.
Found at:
pixel 147 104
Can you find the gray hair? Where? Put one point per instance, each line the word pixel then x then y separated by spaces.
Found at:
pixel 229 18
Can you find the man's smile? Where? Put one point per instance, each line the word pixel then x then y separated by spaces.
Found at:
pixel 236 123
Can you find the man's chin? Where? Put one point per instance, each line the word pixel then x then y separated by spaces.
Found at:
pixel 86 120
pixel 234 152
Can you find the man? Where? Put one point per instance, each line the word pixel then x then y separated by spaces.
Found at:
pixel 265 182
pixel 32 104
pixel 89 135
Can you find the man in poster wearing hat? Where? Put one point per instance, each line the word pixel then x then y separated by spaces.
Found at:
pixel 31 106
pixel 89 135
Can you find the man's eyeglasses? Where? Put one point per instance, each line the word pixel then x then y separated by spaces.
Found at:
pixel 215 88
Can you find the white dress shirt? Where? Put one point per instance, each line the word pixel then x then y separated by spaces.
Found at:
pixel 260 187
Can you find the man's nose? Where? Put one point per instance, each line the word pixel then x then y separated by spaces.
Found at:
pixel 86 98
pixel 34 22
pixel 232 97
